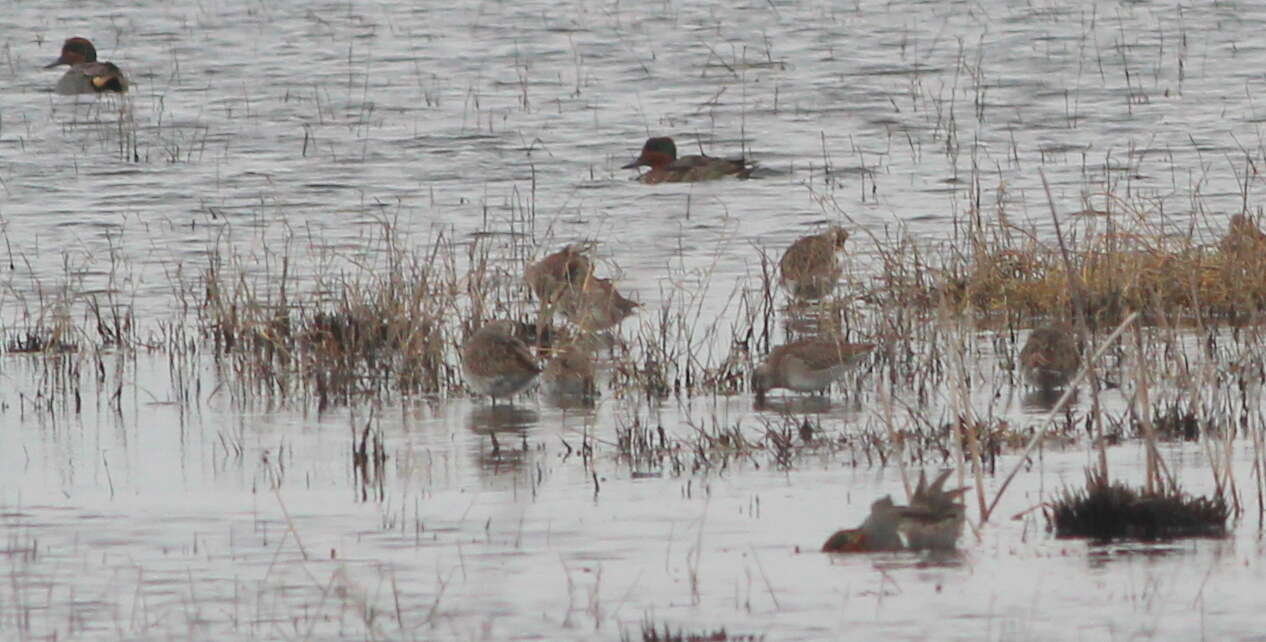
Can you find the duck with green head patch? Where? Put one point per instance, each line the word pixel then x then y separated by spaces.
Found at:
pixel 86 74
pixel 660 155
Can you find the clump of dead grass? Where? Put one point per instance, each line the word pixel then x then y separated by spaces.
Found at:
pixel 1120 270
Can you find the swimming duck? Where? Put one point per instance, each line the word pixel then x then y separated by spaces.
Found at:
pixel 935 517
pixel 660 155
pixel 86 75
pixel 878 533
pixel 933 521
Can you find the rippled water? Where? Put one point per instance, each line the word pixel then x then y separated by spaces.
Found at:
pixel 160 508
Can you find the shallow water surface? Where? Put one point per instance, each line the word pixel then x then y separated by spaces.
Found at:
pixel 144 494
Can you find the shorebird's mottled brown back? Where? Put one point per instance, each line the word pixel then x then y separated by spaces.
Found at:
pixel 810 267
pixel 1050 357
pixel 562 270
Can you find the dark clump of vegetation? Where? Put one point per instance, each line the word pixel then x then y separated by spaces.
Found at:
pixel 652 634
pixel 1114 510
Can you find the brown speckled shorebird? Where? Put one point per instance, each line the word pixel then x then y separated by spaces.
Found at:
pixel 1050 357
pixel 565 269
pixel 86 75
pixel 596 305
pixel 807 365
pixel 570 373
pixel 660 155
pixel 810 267
pixel 497 363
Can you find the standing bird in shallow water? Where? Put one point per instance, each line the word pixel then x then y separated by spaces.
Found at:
pixel 563 270
pixel 660 155
pixel 570 373
pixel 497 363
pixel 86 75
pixel 807 365
pixel 810 267
pixel 595 305
pixel 1050 357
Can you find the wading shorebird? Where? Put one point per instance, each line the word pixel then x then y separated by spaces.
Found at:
pixel 570 373
pixel 807 365
pixel 596 305
pixel 1050 357
pixel 660 155
pixel 86 75
pixel 933 521
pixel 565 269
pixel 810 267
pixel 497 363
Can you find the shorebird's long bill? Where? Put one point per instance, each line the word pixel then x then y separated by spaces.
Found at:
pixel 61 60
pixel 637 162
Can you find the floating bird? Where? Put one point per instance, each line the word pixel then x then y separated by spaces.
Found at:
pixel 935 517
pixel 86 75
pixel 497 363
pixel 810 267
pixel 1050 357
pixel 807 365
pixel 596 305
pixel 565 269
pixel 878 533
pixel 933 521
pixel 660 155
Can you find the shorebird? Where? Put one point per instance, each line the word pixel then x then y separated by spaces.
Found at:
pixel 570 373
pixel 810 267
pixel 1050 357
pixel 807 365
pixel 497 363
pixel 596 305
pixel 565 269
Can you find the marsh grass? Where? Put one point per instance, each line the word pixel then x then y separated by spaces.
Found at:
pixel 1124 266
pixel 1104 510
pixel 652 632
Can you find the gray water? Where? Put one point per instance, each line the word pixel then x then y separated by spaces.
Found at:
pixel 257 129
